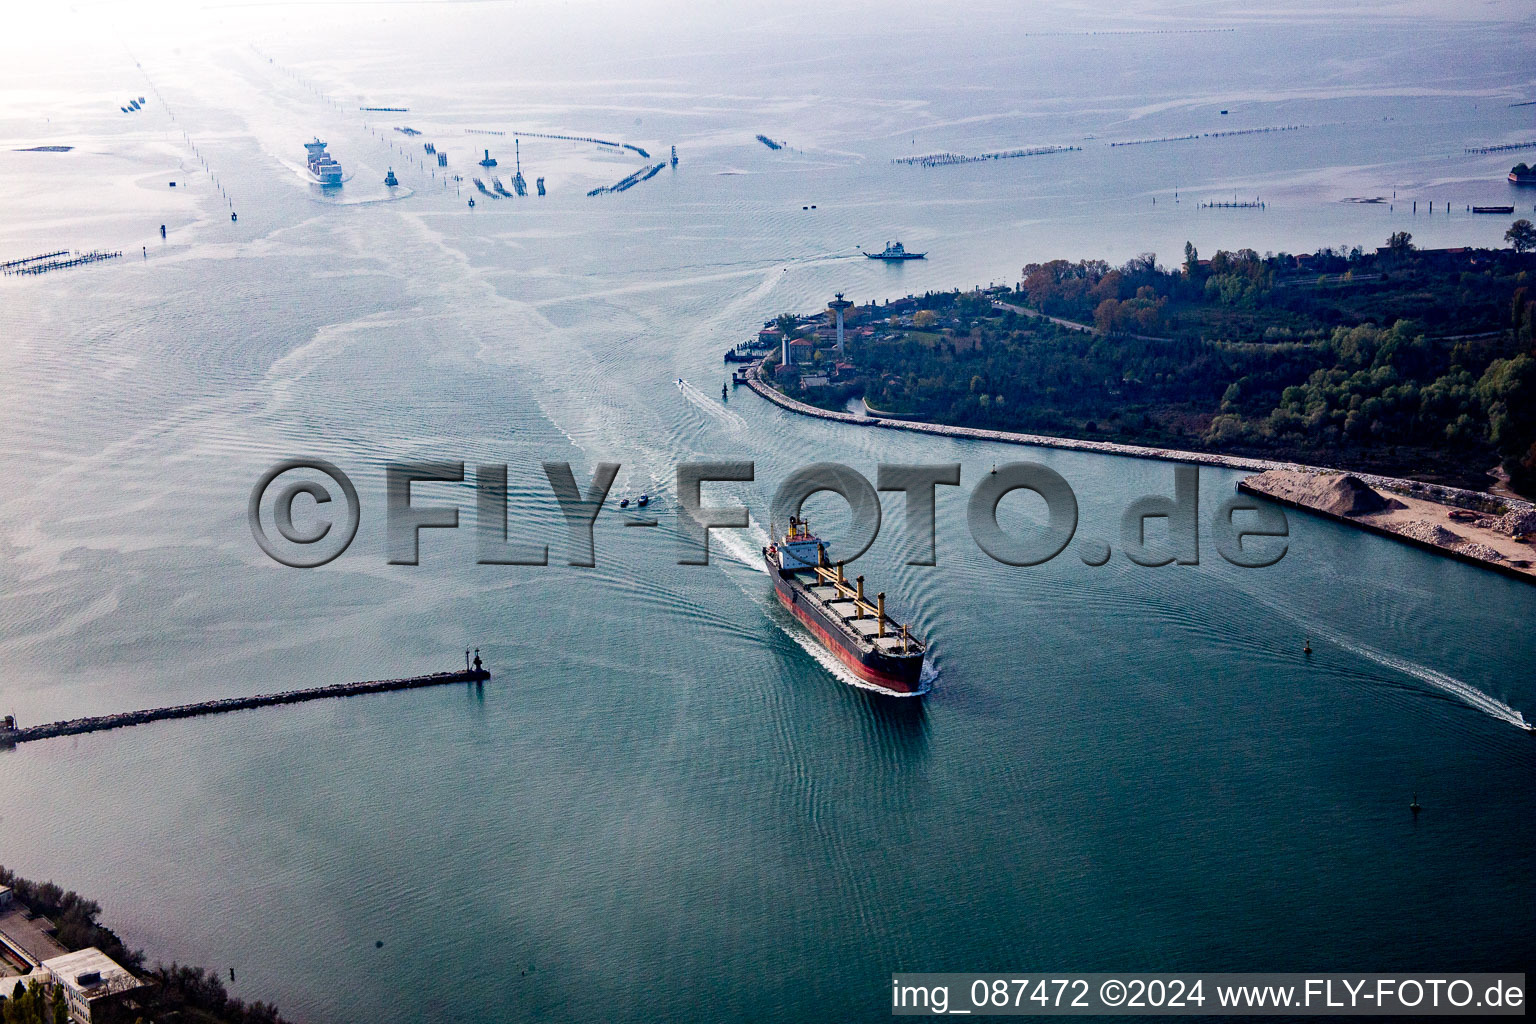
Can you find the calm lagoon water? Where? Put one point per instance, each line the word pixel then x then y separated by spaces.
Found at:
pixel 665 806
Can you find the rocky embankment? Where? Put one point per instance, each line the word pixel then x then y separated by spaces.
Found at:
pixel 11 734
pixel 1495 541
pixel 1474 527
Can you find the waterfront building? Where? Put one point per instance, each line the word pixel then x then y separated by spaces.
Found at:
pixel 97 989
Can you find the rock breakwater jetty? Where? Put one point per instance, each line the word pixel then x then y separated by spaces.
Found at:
pixel 11 734
pixel 948 159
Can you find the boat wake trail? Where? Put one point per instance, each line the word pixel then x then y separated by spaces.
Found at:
pixel 710 406
pixel 826 660
pixel 1463 691
pixel 1450 684
pixel 745 547
pixel 929 677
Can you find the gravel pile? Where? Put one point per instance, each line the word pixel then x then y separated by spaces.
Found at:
pixel 1482 551
pixel 1516 523
pixel 1430 533
pixel 1342 494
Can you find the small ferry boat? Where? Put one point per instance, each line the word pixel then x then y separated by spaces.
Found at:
pixel 390 179
pixel 859 634
pixel 895 251
pixel 322 165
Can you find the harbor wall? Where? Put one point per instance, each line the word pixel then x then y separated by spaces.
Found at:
pixel 1457 496
pixel 101 723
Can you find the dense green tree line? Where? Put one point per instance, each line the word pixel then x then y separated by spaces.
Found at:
pixel 74 918
pixel 1399 360
pixel 31 1003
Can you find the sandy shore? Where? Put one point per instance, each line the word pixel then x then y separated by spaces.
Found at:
pixel 1412 511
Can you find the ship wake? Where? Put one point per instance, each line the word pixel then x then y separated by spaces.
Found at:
pixel 828 661
pixel 1461 690
pixel 710 407
pixel 744 546
pixel 1466 692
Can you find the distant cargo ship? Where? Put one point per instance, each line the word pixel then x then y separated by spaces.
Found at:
pixel 322 165
pixel 859 634
pixel 895 251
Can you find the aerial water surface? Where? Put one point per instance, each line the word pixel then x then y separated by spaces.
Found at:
pixel 667 804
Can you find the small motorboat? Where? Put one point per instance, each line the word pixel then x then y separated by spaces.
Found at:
pixel 624 503
pixel 643 500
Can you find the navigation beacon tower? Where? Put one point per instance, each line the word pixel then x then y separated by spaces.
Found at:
pixel 837 305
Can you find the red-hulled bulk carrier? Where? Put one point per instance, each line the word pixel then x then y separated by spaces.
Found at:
pixel 873 647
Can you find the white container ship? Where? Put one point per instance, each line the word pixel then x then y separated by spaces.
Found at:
pixel 322 165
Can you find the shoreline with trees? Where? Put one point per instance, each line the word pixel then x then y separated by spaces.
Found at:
pixel 1413 364
pixel 173 991
pixel 1499 527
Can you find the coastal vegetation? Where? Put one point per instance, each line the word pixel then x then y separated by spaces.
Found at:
pixel 1521 235
pixel 176 991
pixel 1409 362
pixel 31 1003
